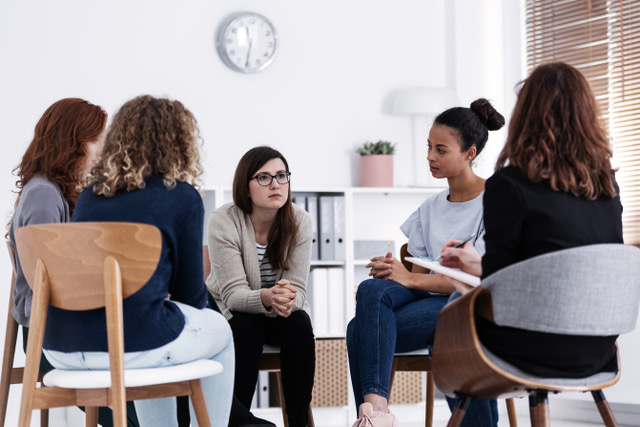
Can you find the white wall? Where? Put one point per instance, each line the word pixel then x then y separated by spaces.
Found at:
pixel 328 90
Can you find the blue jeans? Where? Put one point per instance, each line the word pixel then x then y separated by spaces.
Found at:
pixel 206 335
pixel 389 318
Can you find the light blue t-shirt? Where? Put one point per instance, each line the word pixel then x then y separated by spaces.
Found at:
pixel 438 220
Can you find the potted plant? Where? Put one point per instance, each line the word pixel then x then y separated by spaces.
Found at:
pixel 376 164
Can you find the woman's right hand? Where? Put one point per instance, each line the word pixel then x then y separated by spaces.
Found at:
pixel 466 258
pixel 280 297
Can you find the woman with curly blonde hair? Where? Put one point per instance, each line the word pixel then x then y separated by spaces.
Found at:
pixel 146 174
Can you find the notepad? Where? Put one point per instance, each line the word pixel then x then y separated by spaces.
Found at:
pixel 447 271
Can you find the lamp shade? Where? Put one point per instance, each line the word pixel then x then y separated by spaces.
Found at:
pixel 423 101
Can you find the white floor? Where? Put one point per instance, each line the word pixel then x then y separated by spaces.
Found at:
pixel 413 416
pixel 408 416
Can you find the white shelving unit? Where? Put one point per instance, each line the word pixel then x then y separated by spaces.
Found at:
pixel 370 214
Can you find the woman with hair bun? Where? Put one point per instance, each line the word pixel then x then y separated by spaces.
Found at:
pixel 397 310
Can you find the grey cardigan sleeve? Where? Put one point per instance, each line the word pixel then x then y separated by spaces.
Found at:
pixel 230 283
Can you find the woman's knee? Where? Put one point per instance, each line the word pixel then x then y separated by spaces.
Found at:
pixel 248 331
pixel 299 325
pixel 372 290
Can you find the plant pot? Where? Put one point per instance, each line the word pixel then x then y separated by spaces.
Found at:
pixel 376 170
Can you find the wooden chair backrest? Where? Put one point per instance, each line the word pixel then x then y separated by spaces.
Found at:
pixel 404 252
pixel 74 256
pixel 206 261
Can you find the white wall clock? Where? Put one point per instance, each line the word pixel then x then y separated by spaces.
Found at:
pixel 247 42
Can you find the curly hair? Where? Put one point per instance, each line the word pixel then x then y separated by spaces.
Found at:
pixel 555 134
pixel 148 136
pixel 58 148
pixel 284 230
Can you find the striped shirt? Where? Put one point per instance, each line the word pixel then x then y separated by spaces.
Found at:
pixel 267 276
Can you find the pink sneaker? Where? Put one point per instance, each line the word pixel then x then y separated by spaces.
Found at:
pixel 371 418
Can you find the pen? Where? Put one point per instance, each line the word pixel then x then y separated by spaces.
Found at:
pixel 459 244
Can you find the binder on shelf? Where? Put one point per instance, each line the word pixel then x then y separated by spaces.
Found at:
pixel 339 243
pixel 325 220
pixel 312 208
pixel 336 294
pixel 300 201
pixel 320 301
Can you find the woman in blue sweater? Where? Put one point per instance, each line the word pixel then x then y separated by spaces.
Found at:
pixel 146 174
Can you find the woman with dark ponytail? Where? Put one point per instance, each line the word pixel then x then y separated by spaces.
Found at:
pixel 397 310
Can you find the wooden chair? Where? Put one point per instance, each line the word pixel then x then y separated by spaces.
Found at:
pixel 565 292
pixel 84 266
pixel 270 360
pixel 419 361
pixel 10 374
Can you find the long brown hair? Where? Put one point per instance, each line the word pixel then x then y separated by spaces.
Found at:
pixel 58 148
pixel 555 134
pixel 148 136
pixel 284 230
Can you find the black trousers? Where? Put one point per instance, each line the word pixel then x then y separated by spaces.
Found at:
pixel 294 336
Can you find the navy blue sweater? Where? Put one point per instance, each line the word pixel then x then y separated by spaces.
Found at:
pixel 149 320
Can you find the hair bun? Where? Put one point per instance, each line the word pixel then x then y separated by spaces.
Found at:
pixel 489 116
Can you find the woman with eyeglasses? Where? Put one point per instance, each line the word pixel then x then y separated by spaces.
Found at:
pixel 260 251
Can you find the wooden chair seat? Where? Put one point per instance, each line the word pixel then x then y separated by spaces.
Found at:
pixel 133 377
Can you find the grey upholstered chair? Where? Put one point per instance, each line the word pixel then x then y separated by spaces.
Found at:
pixel 589 290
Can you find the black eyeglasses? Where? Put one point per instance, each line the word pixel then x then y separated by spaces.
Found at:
pixel 264 179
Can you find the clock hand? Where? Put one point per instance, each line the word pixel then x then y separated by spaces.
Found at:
pixel 249 36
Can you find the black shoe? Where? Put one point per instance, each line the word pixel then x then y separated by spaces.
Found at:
pixel 252 422
pixel 242 417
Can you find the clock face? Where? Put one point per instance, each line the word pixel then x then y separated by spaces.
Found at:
pixel 247 43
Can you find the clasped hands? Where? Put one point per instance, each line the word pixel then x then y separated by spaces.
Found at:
pixel 389 268
pixel 281 297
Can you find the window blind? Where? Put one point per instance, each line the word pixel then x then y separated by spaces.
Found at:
pixel 601 38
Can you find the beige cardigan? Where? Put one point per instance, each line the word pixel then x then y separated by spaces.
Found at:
pixel 234 281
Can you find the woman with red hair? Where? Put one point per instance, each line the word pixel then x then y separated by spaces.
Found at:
pixel 67 141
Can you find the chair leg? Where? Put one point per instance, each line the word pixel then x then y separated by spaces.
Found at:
pixel 91 416
pixel 539 409
pixel 44 418
pixel 459 411
pixel 7 363
pixel 511 412
pixel 431 395
pixel 282 403
pixel 311 422
pixel 199 404
pixel 605 410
